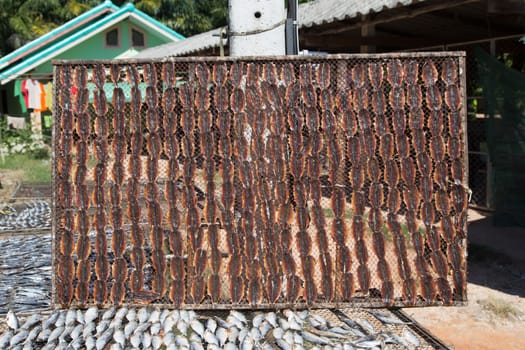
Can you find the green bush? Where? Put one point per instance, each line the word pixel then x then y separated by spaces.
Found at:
pixel 16 141
pixel 40 153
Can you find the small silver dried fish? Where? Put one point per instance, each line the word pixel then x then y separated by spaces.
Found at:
pixel 121 313
pixel 102 326
pixel 18 337
pixel 197 326
pixel 51 320
pixel 209 337
pixel 410 337
pixel 89 329
pixel 156 342
pixel 136 340
pixel 238 316
pixel 71 317
pixel 103 339
pixel 168 338
pixel 33 334
pixel 211 324
pixel 154 316
pixel 271 317
pixel 55 334
pixel 130 328
pixel 120 337
pixel 155 328
pixel 109 313
pixel 315 339
pixel 31 321
pixel 142 315
pixel 91 314
pixel 182 341
pixel 44 334
pixel 146 340
pixel 77 331
pixel 80 317
pixel 12 320
pixel 131 315
pixel 182 327
pixel 222 335
pixel 164 315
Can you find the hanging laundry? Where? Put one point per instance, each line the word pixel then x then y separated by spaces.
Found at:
pixel 25 93
pixel 33 91
pixel 16 122
pixel 48 121
pixel 19 95
pixel 48 88
pixel 42 99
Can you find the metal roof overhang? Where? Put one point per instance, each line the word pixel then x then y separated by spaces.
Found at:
pixel 429 24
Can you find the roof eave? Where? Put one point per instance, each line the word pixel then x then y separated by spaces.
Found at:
pixel 86 33
pixel 57 33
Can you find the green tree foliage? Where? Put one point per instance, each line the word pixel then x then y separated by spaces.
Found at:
pixel 190 17
pixel 25 20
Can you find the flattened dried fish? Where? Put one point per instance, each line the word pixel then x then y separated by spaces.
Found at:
pixel 411 198
pixel 368 140
pixel 419 141
pixel 379 105
pixel 323 75
pixel 360 99
pixel 394 200
pixel 203 74
pixel 433 97
pixel 394 72
pixel 414 97
pixel 236 73
pixel 237 100
pixel 359 75
pixel 453 97
pixel 449 71
pixel 386 146
pixel 429 73
pixel 376 195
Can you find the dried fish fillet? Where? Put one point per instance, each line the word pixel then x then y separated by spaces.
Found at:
pixel 429 73
pixel 449 71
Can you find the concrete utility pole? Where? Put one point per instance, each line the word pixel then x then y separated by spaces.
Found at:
pixel 256 27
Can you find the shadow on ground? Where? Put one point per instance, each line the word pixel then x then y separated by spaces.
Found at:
pixel 496 256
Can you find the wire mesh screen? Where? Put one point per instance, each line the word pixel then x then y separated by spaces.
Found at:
pixel 219 183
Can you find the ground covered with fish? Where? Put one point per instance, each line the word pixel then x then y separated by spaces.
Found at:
pixel 155 328
pixel 25 262
pixel 25 272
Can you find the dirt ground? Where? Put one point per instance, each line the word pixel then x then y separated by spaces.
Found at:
pixel 494 317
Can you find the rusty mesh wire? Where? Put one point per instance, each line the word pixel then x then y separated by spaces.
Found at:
pixel 217 183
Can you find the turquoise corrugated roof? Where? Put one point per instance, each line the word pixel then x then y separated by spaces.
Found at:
pixel 94 28
pixel 57 32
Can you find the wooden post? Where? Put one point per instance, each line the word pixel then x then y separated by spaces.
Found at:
pixel 368 31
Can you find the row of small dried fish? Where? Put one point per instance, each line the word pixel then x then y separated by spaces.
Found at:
pixel 25 272
pixel 34 214
pixel 154 328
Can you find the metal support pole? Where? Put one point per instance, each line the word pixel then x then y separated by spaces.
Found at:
pixel 292 36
